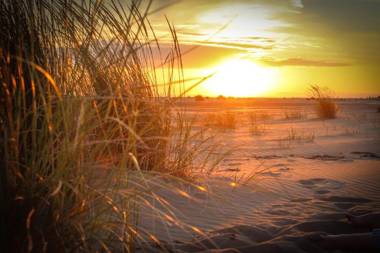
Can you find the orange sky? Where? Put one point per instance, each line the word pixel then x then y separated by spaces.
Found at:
pixel 277 48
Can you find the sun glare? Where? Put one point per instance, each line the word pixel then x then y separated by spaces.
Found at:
pixel 240 78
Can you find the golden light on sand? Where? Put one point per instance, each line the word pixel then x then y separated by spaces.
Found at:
pixel 201 188
pixel 241 78
pixel 233 184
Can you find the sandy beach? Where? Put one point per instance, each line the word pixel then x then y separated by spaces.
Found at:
pixel 274 193
pixel 135 126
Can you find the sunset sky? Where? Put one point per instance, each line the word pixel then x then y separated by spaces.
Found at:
pixel 277 48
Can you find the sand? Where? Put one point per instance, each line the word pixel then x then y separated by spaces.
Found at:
pixel 273 193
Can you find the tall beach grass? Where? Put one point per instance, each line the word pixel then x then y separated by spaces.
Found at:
pixel 82 107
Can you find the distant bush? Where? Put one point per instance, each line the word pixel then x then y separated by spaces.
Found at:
pixel 199 98
pixel 326 108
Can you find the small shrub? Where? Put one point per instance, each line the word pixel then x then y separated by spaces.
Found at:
pixel 199 98
pixel 326 108
pixel 226 120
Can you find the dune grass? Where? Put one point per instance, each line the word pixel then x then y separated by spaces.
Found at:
pixel 294 136
pixel 83 108
pixel 326 108
pixel 256 127
pixel 299 136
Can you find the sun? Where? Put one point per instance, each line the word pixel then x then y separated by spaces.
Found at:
pixel 240 78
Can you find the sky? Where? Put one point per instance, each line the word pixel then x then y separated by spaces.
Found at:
pixel 276 48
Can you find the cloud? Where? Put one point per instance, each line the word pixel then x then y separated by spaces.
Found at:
pixel 263 39
pixel 348 16
pixel 198 56
pixel 297 3
pixel 302 62
pixel 238 45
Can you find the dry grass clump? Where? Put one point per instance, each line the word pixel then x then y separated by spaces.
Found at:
pixel 256 127
pixel 294 136
pixel 81 109
pixel 223 121
pixel 294 115
pixel 191 150
pixel 326 108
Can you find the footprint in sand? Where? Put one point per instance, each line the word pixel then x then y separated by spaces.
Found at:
pixel 266 157
pixel 322 191
pixel 284 169
pixel 270 173
pixel 345 203
pixel 279 165
pixel 343 199
pixel 362 154
pixel 275 172
pixel 326 157
pixel 321 186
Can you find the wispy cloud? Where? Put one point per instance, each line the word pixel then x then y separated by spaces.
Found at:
pixel 297 3
pixel 302 62
pixel 238 45
pixel 203 56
